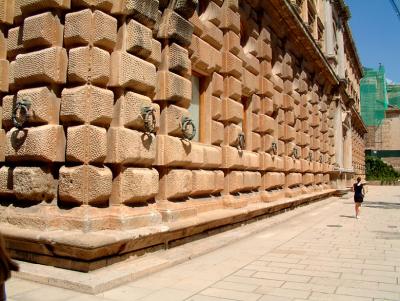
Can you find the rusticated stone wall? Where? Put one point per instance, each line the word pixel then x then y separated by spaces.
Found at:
pixel 81 75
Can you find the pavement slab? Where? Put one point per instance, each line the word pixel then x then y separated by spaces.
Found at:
pixel 317 252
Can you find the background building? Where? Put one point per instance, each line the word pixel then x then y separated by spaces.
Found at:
pixel 380 111
pixel 129 125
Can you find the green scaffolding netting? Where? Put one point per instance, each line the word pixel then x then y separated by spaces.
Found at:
pixel 393 92
pixel 374 96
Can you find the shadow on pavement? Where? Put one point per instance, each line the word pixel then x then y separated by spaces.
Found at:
pixel 382 205
pixel 347 216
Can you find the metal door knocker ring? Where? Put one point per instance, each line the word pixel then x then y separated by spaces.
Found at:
pixel 274 148
pixel 21 114
pixel 241 141
pixel 310 157
pixel 149 119
pixel 295 153
pixel 321 159
pixel 187 123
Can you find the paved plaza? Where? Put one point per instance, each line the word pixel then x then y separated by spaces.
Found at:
pixel 322 254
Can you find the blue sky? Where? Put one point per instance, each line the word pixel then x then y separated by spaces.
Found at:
pixel 376 31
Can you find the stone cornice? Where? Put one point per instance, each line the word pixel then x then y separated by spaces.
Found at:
pixel 300 34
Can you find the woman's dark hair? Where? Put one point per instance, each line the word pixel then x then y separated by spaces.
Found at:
pixel 359 179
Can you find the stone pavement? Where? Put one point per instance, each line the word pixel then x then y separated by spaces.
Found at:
pixel 323 254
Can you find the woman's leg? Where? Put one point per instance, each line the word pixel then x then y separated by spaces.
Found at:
pixel 358 209
pixel 2 292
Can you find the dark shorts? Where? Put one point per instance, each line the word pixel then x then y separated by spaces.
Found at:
pixel 358 199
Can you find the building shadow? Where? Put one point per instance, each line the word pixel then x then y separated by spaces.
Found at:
pixel 381 205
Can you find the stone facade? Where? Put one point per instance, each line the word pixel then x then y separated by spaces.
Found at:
pixel 127 124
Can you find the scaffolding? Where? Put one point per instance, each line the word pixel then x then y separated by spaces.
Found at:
pixel 393 92
pixel 374 97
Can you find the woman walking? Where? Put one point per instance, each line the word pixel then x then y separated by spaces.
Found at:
pixel 359 193
pixel 6 266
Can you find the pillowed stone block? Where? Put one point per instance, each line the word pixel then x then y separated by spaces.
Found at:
pixel 178 183
pixel 43 30
pixel 234 181
pixel 289 118
pixel 250 83
pixel 232 88
pixel 144 11
pixel 216 107
pixel 85 185
pixel 90 28
pixel 4 67
pixel 34 184
pixel 231 64
pixel 174 88
pixel 175 28
pixel 127 146
pixel 14 42
pixel 179 60
pixel 232 110
pixel 45 106
pixel 217 132
pixel 293 179
pixel 255 142
pixel 267 124
pixel 217 84
pixel 230 20
pixel 277 100
pixel 186 8
pixel 134 185
pixel 2 145
pixel 267 106
pixel 87 104
pixel 6 181
pixel 267 162
pixel 264 50
pixel 105 5
pixel 266 142
pixel 43 143
pixel 273 180
pixel 255 122
pixel 11 76
pixel 89 64
pixel 288 102
pixel 212 35
pixel 127 111
pixel 31 6
pixel 155 55
pixel 203 182
pixel 138 39
pixel 173 116
pixel 86 144
pixel 7 11
pixel 232 132
pixel 3 44
pixel 232 42
pixel 290 133
pixel 129 71
pixel 44 66
pixel 251 180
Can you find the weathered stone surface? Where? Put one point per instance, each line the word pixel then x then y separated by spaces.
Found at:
pixel 144 11
pixel 174 88
pixel 44 66
pixel 43 30
pixel 34 184
pixel 4 69
pixel 87 104
pixel 125 146
pixel 178 183
pixel 133 185
pixel 6 181
pixel 89 65
pixel 138 39
pixel 85 185
pixel 129 71
pixel 127 111
pixel 175 28
pixel 86 144
pixel 7 11
pixel 45 106
pixel 43 143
